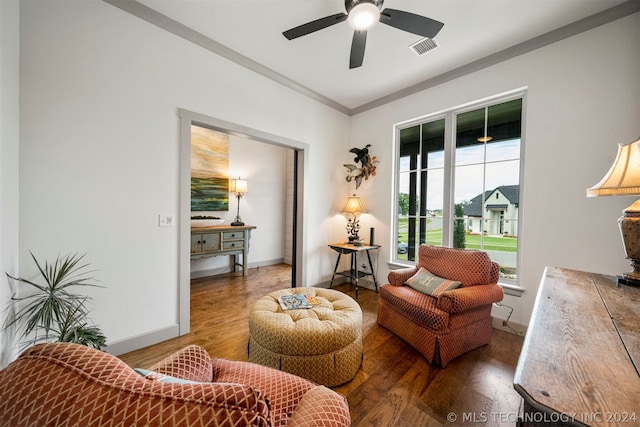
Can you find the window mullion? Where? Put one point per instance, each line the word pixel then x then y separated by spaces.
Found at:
pixel 449 178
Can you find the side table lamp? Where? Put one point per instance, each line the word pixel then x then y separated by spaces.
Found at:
pixel 354 207
pixel 623 179
pixel 239 188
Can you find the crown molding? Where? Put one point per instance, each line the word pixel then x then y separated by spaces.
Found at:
pixel 156 18
pixel 153 17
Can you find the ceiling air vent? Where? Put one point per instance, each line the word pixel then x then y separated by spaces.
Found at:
pixel 423 46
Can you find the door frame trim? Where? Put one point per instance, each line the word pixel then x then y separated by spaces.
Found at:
pixel 187 118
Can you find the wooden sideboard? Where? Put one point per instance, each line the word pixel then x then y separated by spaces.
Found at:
pixel 222 240
pixel 580 362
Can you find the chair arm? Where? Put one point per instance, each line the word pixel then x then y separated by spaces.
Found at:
pixel 321 407
pixel 398 277
pixel 467 298
pixel 191 363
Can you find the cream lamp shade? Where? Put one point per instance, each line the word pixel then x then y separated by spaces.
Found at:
pixel 623 179
pixel 238 186
pixel 354 206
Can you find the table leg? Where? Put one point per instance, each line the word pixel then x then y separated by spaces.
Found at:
pixel 354 270
pixel 375 281
pixel 335 269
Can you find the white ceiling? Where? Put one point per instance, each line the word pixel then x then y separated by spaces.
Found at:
pixel 475 32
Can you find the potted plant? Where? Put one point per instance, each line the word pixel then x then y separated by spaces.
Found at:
pixel 51 310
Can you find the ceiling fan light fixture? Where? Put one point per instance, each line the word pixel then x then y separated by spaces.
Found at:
pixel 363 16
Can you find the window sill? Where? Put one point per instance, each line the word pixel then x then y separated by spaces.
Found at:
pixel 510 289
pixel 393 265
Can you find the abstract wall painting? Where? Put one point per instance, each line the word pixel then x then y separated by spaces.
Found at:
pixel 209 170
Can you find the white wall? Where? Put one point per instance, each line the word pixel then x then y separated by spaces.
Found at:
pixel 264 167
pixel 9 137
pixel 99 129
pixel 583 99
pixel 99 149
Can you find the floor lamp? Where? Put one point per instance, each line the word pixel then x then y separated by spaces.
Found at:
pixel 239 188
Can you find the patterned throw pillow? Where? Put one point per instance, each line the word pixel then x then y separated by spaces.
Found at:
pixel 427 283
pixel 162 377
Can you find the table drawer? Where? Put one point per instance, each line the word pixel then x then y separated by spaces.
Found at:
pixel 233 235
pixel 237 244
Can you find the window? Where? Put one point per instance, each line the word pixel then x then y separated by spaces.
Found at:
pixel 458 182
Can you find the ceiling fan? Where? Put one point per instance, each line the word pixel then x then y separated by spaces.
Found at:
pixel 362 15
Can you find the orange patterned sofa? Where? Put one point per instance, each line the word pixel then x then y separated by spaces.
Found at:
pixel 454 322
pixel 64 384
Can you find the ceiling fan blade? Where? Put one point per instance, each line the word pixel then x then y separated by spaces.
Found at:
pixel 406 21
pixel 357 48
pixel 318 24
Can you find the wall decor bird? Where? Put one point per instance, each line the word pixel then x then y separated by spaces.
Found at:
pixel 361 153
pixel 367 166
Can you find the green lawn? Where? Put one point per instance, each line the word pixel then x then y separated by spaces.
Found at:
pixel 434 237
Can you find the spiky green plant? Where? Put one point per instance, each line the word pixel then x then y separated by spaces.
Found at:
pixel 52 311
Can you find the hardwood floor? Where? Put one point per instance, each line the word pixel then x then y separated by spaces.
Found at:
pixel 395 385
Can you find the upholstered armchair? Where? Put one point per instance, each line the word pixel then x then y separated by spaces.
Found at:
pixel 457 317
pixel 69 385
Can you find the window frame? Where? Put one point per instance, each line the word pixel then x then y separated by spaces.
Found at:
pixel 450 115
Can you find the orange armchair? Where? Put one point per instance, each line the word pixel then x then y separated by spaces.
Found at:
pixel 456 321
pixel 69 385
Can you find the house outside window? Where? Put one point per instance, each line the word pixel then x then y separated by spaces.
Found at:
pixel 458 181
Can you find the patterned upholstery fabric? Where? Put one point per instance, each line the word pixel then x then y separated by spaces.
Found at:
pixel 470 267
pixel 65 384
pixel 322 343
pixel 416 305
pixel 191 363
pixel 456 322
pixel 288 394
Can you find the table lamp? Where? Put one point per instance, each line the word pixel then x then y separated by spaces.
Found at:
pixel 623 179
pixel 355 207
pixel 239 188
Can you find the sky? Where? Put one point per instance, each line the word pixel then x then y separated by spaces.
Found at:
pixel 502 168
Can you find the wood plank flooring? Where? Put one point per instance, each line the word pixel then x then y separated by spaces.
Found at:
pixel 395 385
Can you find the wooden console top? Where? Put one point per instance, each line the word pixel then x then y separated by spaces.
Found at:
pixel 580 362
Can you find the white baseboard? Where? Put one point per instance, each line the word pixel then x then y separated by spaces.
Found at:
pixel 221 270
pixel 144 340
pixel 513 328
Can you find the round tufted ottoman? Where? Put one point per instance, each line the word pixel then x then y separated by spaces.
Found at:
pixel 322 343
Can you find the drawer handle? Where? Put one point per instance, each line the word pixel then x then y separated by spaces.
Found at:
pixel 233 244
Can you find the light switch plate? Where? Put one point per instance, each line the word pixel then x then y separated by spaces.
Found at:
pixel 165 221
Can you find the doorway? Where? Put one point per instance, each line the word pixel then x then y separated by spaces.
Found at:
pixel 299 159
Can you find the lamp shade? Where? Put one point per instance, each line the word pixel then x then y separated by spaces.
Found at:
pixel 354 205
pixel 238 186
pixel 623 179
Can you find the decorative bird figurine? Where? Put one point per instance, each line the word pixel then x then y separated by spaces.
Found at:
pixel 361 154
pixel 354 173
pixel 367 169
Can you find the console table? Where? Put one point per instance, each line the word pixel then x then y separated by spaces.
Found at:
pixel 354 272
pixel 580 362
pixel 222 240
